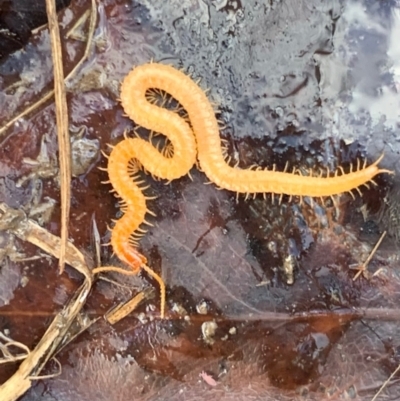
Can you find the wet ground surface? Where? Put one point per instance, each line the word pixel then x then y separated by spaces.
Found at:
pixel 311 84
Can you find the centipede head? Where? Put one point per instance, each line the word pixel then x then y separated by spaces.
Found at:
pixel 133 257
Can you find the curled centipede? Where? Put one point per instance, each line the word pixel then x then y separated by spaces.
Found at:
pixel 198 140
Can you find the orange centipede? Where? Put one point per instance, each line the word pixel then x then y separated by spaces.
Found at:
pixel 200 139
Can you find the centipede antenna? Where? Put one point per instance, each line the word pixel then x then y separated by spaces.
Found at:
pixel 161 283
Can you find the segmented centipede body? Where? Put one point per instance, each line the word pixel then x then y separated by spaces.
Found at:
pixel 200 139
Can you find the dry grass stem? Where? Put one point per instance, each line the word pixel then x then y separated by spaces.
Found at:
pixel 64 145
pixel 5 344
pixel 26 229
pixel 16 222
pixel 68 323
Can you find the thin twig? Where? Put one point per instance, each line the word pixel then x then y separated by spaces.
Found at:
pixel 386 383
pixel 92 27
pixel 364 266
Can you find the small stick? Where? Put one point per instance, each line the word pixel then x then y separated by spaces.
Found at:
pixel 386 383
pixel 363 267
pixel 122 310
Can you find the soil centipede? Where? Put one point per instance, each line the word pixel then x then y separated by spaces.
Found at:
pixel 199 139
